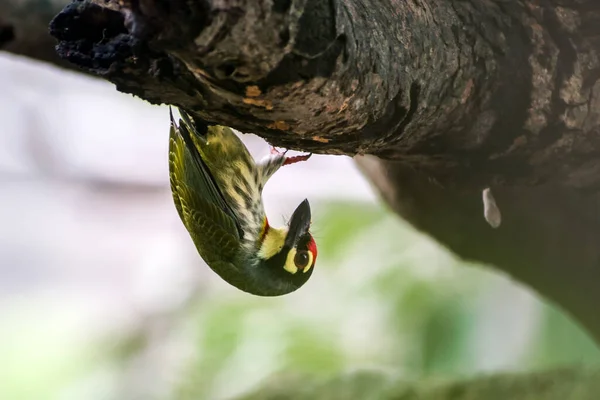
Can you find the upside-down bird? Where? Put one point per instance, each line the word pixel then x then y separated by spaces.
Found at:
pixel 217 189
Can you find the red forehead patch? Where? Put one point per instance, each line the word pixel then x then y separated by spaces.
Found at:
pixel 312 247
pixel 264 230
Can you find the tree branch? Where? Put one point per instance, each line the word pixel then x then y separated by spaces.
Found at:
pixel 506 88
pixel 465 94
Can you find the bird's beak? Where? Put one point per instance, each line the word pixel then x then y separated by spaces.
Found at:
pixel 299 224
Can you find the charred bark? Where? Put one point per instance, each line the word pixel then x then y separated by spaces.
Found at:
pixel 451 96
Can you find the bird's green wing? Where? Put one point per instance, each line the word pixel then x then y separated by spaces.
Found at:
pixel 186 166
pixel 224 153
pixel 213 231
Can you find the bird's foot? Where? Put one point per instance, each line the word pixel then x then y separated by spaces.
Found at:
pixel 276 152
pixel 290 160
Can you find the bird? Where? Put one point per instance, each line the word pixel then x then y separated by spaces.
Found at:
pixel 217 190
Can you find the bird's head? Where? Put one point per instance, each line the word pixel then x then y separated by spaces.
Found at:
pixel 286 256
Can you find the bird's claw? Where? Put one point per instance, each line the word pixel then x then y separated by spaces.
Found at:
pixel 290 160
pixel 276 152
pixel 295 159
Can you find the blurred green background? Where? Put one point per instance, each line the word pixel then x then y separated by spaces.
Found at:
pixel 383 296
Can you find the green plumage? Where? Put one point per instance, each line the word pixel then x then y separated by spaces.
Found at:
pixel 213 231
pixel 217 191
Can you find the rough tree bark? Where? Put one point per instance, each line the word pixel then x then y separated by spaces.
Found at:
pixel 450 97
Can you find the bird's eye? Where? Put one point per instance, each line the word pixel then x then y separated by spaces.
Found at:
pixel 298 260
pixel 301 259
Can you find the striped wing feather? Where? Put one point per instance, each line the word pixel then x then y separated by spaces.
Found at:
pixel 213 231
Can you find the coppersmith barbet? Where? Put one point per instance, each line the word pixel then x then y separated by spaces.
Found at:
pixel 217 189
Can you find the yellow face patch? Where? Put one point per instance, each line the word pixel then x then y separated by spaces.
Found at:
pixel 290 265
pixel 272 243
pixel 310 262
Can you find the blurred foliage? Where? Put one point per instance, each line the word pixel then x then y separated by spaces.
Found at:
pixel 382 296
pixel 564 384
pixel 560 340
